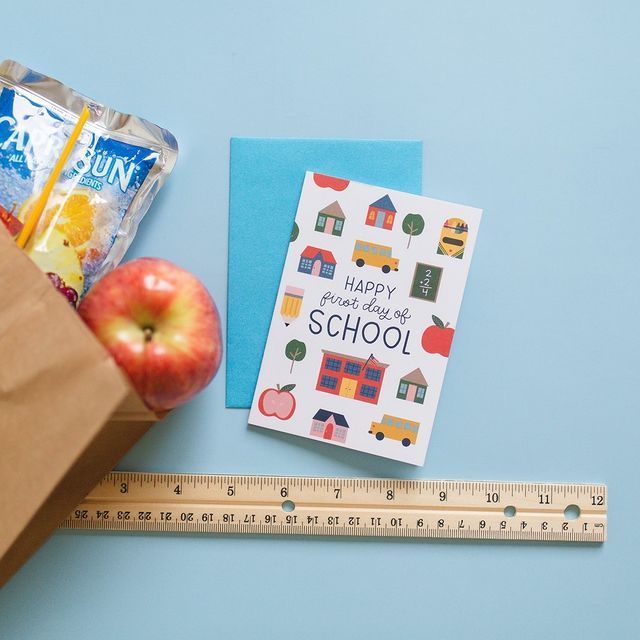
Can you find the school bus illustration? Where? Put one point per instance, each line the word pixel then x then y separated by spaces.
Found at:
pixel 374 255
pixel 453 238
pixel 394 428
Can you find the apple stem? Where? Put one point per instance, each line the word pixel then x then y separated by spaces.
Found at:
pixel 148 334
pixel 278 387
pixel 446 325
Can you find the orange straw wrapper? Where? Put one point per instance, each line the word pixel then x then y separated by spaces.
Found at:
pixel 36 211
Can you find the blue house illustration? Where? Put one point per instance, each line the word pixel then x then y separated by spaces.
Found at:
pixel 317 262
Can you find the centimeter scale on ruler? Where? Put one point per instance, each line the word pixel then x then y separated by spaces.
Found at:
pixel 190 503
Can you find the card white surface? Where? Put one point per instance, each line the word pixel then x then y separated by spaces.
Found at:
pixel 365 315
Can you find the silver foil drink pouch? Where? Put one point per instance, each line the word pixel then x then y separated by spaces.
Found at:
pixel 107 185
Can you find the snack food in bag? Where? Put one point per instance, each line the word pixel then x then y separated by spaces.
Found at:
pixel 115 169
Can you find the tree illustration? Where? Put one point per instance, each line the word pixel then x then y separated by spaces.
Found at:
pixel 413 225
pixel 295 351
pixel 294 232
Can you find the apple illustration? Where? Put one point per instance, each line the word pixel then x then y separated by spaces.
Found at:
pixel 328 182
pixel 438 337
pixel 160 325
pixel 278 402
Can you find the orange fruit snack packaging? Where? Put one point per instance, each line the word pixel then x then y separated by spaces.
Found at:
pixel 106 186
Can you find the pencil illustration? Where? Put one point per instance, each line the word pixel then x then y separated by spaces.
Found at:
pixel 291 304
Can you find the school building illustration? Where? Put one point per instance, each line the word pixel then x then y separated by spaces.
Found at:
pixel 351 377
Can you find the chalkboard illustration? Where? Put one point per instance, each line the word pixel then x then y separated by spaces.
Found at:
pixel 381 213
pixel 329 182
pixel 329 426
pixel 295 231
pixel 438 337
pixel 374 255
pixel 330 219
pixel 317 262
pixel 412 387
pixel 394 428
pixel 291 304
pixel 278 403
pixel 350 376
pixel 295 351
pixel 426 282
pixel 453 238
pixel 412 225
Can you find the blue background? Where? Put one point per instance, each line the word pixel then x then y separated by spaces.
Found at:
pixel 528 111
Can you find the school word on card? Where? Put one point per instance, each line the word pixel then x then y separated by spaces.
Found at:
pixel 365 317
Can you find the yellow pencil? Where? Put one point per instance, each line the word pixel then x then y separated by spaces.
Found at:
pixel 291 304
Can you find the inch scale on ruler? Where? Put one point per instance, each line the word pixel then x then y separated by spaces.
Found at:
pixel 357 507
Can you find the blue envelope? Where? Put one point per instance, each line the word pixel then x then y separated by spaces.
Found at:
pixel 265 182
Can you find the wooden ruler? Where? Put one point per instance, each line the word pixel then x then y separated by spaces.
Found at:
pixel 189 503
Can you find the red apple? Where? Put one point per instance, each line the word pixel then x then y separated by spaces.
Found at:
pixel 438 337
pixel 160 325
pixel 329 182
pixel 278 402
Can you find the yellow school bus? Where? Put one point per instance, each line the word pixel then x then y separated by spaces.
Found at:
pixel 374 255
pixel 406 431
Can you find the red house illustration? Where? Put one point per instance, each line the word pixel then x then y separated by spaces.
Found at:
pixel 381 213
pixel 351 377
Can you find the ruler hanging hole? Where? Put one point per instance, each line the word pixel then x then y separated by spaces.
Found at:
pixel 288 506
pixel 572 512
pixel 510 511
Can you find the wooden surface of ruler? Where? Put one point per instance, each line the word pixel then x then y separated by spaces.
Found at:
pixel 358 507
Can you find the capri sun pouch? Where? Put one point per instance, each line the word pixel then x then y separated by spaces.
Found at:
pixel 107 185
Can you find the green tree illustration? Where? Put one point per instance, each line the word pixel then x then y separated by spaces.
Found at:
pixel 413 225
pixel 294 232
pixel 295 351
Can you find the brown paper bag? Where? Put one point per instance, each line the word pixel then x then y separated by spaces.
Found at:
pixel 67 413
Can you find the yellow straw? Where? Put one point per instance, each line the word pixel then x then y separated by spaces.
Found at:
pixel 33 216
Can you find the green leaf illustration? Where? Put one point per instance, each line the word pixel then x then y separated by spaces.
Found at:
pixel 295 351
pixel 413 225
pixel 294 232
pixel 437 322
pixel 288 387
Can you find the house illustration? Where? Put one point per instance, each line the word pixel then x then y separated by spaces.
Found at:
pixel 381 213
pixel 317 262
pixel 329 426
pixel 330 219
pixel 351 377
pixel 412 387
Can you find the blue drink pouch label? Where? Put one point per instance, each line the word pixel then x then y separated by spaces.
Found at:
pixel 107 185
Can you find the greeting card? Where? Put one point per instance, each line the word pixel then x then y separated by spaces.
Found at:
pixel 365 317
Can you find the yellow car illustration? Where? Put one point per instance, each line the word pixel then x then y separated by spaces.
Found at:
pixel 374 255
pixel 394 428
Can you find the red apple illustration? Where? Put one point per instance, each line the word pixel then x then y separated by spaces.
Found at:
pixel 278 402
pixel 328 182
pixel 438 337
